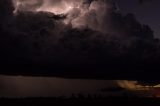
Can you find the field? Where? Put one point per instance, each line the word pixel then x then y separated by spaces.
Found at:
pixel 80 102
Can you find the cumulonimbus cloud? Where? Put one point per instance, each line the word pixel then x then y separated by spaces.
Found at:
pixel 89 33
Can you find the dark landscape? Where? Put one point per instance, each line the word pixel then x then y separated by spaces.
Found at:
pixel 124 101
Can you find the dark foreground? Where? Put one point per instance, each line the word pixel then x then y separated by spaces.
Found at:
pixel 81 102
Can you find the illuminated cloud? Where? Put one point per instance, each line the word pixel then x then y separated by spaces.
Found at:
pixel 80 14
pixel 55 6
pixel 131 85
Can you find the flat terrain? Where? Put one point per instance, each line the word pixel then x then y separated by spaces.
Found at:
pixel 81 102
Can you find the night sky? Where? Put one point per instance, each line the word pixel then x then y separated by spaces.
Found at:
pixel 146 12
pixel 85 46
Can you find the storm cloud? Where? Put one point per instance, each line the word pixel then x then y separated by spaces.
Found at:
pixel 87 33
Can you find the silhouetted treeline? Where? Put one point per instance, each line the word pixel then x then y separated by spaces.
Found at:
pixel 79 102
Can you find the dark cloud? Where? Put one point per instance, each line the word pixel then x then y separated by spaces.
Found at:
pixel 106 38
pixel 6 8
pixel 6 11
pixel 143 1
